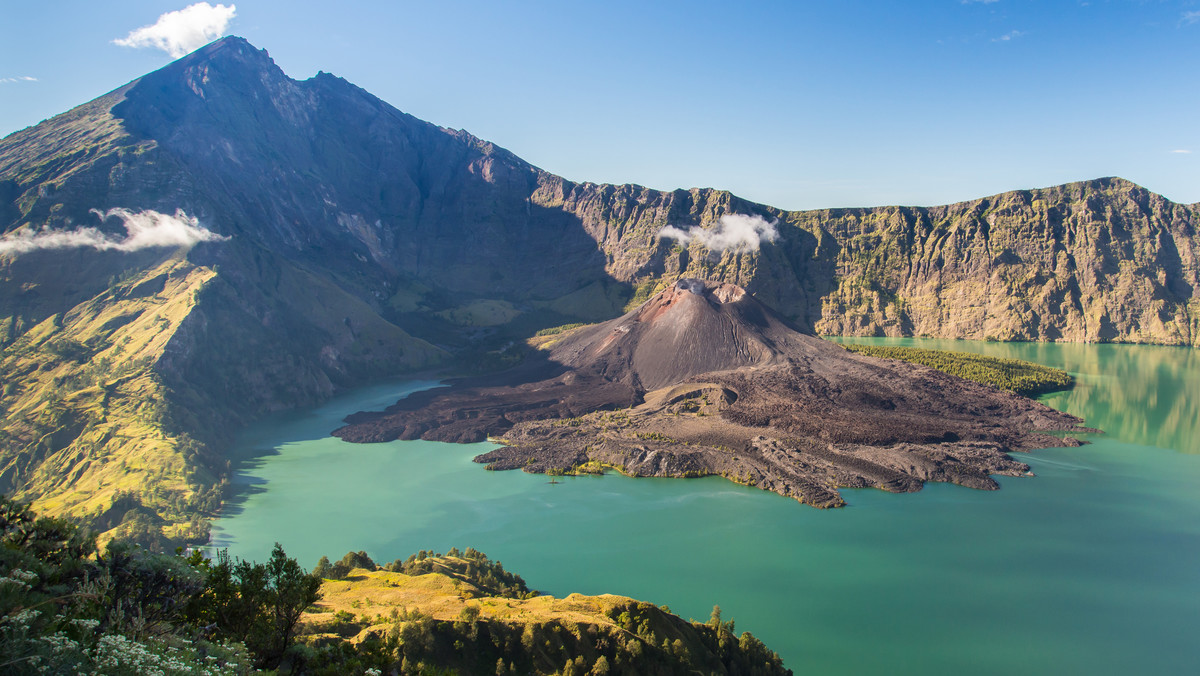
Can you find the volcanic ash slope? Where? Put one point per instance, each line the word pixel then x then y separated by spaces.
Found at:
pixel 703 379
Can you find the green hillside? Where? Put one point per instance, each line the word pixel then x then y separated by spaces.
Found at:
pixel 1022 377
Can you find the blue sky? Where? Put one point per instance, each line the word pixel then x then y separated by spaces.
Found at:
pixel 795 104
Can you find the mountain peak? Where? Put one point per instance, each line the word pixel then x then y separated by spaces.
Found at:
pixel 693 326
pixel 231 39
pixel 230 46
pixel 231 58
pixel 225 80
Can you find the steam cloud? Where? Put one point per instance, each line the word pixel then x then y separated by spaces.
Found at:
pixel 738 232
pixel 182 31
pixel 144 229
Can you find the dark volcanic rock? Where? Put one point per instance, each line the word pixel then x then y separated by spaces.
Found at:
pixel 703 379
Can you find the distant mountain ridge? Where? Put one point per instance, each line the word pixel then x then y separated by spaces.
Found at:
pixel 364 242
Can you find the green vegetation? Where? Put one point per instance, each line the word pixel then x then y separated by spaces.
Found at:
pixel 471 566
pixel 643 290
pixel 657 436
pixel 547 338
pixel 431 614
pixel 594 467
pixel 480 313
pixel 477 360
pixel 65 607
pixel 89 429
pixel 1022 377
pixel 555 330
pixel 113 413
pixel 594 302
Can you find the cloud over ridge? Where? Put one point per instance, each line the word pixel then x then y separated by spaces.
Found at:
pixel 144 229
pixel 184 30
pixel 737 232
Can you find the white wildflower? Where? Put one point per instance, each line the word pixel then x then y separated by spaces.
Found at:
pixel 23 617
pixel 87 624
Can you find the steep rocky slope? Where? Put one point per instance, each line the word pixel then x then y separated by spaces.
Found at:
pixel 342 240
pixel 1101 260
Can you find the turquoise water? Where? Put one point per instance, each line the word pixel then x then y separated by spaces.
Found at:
pixel 1092 566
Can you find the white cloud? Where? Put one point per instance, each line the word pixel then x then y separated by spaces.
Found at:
pixel 1181 151
pixel 1190 17
pixel 22 78
pixel 182 31
pixel 739 232
pixel 1011 35
pixel 143 229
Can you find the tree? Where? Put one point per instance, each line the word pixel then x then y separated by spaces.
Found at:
pixel 140 591
pixel 293 592
pixel 358 559
pixel 469 614
pixel 323 570
pixel 256 604
pixel 714 620
pixel 50 541
pixel 66 608
pixel 350 561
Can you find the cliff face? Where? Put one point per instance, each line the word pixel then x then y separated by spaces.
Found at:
pixel 791 275
pixel 347 241
pixel 1102 260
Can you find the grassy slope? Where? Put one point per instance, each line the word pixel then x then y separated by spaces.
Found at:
pixel 639 637
pixel 85 414
pixel 1022 377
pixel 370 596
pixel 117 410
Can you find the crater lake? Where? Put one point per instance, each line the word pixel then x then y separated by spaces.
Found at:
pixel 1091 566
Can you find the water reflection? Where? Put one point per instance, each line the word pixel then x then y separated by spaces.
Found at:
pixel 1143 394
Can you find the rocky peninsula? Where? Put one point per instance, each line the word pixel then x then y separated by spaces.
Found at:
pixel 703 379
